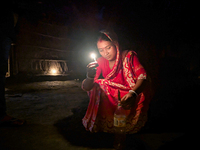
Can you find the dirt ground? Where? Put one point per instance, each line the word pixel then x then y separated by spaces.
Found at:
pixel 53 111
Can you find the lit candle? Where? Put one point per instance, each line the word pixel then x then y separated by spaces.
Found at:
pixel 93 56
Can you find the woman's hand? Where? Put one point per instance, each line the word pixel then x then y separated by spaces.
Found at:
pixel 88 83
pixel 128 100
pixel 91 69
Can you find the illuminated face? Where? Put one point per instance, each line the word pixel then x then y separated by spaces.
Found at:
pixel 107 50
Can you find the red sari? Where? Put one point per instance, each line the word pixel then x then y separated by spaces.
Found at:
pixel 103 96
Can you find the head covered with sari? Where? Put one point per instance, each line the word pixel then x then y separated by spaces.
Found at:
pixel 104 95
pixel 111 36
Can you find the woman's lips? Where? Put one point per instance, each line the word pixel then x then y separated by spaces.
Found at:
pixel 107 57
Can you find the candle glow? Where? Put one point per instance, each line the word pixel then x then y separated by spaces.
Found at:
pixel 53 71
pixel 93 56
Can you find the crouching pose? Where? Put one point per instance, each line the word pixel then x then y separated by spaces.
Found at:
pixel 121 70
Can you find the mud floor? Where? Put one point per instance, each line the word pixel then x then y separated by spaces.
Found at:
pixel 53 111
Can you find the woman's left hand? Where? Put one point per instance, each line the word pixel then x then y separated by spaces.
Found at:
pixel 128 100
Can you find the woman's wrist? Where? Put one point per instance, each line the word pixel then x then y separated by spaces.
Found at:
pixel 89 77
pixel 133 92
pixel 87 84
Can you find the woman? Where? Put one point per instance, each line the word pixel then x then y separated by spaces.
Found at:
pixel 121 70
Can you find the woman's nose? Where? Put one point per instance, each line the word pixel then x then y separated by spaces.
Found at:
pixel 106 53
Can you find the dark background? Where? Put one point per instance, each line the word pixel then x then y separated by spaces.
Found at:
pixel 158 28
pixel 165 34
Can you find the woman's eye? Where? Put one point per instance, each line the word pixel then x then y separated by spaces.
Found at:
pixel 109 47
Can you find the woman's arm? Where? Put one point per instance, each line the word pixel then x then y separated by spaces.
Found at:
pixel 139 86
pixel 140 74
pixel 128 100
pixel 87 84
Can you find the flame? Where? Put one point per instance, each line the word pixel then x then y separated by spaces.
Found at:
pixel 93 56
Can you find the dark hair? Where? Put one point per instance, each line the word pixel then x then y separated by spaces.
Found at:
pixel 102 36
pixel 107 35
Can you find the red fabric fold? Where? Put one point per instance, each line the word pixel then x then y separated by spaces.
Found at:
pixel 103 96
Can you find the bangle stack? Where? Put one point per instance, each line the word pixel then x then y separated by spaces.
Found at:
pixel 131 91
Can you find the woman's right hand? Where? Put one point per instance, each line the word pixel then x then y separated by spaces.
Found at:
pixel 88 83
pixel 91 69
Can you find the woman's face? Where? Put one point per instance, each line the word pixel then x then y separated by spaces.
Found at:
pixel 107 50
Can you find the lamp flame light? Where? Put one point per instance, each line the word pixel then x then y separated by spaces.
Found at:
pixel 53 71
pixel 93 56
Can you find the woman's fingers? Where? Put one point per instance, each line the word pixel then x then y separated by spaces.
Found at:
pixel 123 98
pixel 92 65
pixel 91 69
pixel 91 73
pixel 124 101
pixel 127 102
